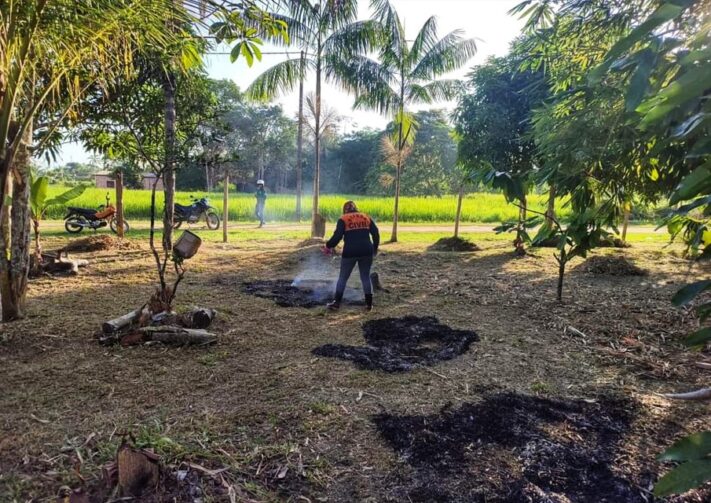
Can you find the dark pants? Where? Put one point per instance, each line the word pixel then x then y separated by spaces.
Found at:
pixel 347 265
pixel 259 211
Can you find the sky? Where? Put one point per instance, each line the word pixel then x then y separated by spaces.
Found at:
pixel 485 20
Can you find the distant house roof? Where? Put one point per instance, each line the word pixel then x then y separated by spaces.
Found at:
pixel 149 175
pixel 103 173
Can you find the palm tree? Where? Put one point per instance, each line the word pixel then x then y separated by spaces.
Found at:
pixel 406 73
pixel 328 33
pixel 46 70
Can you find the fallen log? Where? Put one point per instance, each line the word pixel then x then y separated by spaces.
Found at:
pixel 178 336
pixel 55 265
pixel 704 365
pixel 199 317
pixel 701 394
pixel 120 323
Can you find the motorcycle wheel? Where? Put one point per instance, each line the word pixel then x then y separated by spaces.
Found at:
pixel 212 220
pixel 73 225
pixel 114 226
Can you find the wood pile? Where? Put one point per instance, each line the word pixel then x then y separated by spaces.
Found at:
pixel 141 326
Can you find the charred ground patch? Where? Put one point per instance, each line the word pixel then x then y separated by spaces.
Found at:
pixel 306 293
pixel 514 447
pixel 400 344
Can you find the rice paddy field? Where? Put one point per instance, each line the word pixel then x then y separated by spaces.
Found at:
pixel 477 207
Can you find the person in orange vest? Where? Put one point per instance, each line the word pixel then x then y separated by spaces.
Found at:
pixel 356 230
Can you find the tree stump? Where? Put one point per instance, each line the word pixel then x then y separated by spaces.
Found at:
pixel 319 230
pixel 137 470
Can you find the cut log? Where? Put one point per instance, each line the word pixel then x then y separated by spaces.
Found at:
pixel 704 365
pixel 122 322
pixel 178 336
pixel 137 470
pixel 702 394
pixel 199 317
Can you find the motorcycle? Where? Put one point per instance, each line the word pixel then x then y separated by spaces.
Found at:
pixel 79 218
pixel 199 209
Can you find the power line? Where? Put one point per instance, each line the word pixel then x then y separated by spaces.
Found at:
pixel 282 53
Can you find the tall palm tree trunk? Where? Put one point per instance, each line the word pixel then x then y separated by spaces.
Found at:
pixel 15 236
pixel 398 173
pixel 458 216
pixel 317 145
pixel 169 166
pixel 300 141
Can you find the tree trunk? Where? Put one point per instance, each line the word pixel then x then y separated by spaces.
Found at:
pixel 208 185
pixel 15 246
pixel 169 166
pixel 225 204
pixel 317 140
pixel 459 211
pixel 550 212
pixel 626 220
pixel 300 141
pixel 119 205
pixel 37 266
pixel 398 173
pixel 562 260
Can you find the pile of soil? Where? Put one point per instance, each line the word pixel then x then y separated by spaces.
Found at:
pixel 400 344
pixel 513 447
pixel 306 293
pixel 611 266
pixel 99 242
pixel 454 244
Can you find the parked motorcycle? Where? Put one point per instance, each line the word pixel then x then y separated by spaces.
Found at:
pixel 79 218
pixel 199 209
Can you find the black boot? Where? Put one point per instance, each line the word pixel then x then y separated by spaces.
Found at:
pixel 335 304
pixel 368 301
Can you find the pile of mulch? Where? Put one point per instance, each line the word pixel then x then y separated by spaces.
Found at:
pixel 99 242
pixel 611 266
pixel 311 242
pixel 306 293
pixel 513 447
pixel 613 242
pixel 401 344
pixel 454 244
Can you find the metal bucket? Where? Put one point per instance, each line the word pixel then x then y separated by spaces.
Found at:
pixel 187 245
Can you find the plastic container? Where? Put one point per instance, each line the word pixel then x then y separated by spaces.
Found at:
pixel 187 245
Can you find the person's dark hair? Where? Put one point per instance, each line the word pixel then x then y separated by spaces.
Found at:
pixel 350 207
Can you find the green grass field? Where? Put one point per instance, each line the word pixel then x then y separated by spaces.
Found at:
pixel 477 207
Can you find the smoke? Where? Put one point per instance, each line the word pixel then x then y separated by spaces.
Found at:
pixel 316 268
pixel 318 275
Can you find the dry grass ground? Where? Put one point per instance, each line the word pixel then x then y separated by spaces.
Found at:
pixel 286 425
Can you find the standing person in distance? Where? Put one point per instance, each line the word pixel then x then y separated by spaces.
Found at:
pixel 261 196
pixel 356 230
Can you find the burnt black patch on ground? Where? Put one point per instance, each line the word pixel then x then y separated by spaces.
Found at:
pixel 611 266
pixel 307 293
pixel 513 447
pixel 453 244
pixel 400 344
